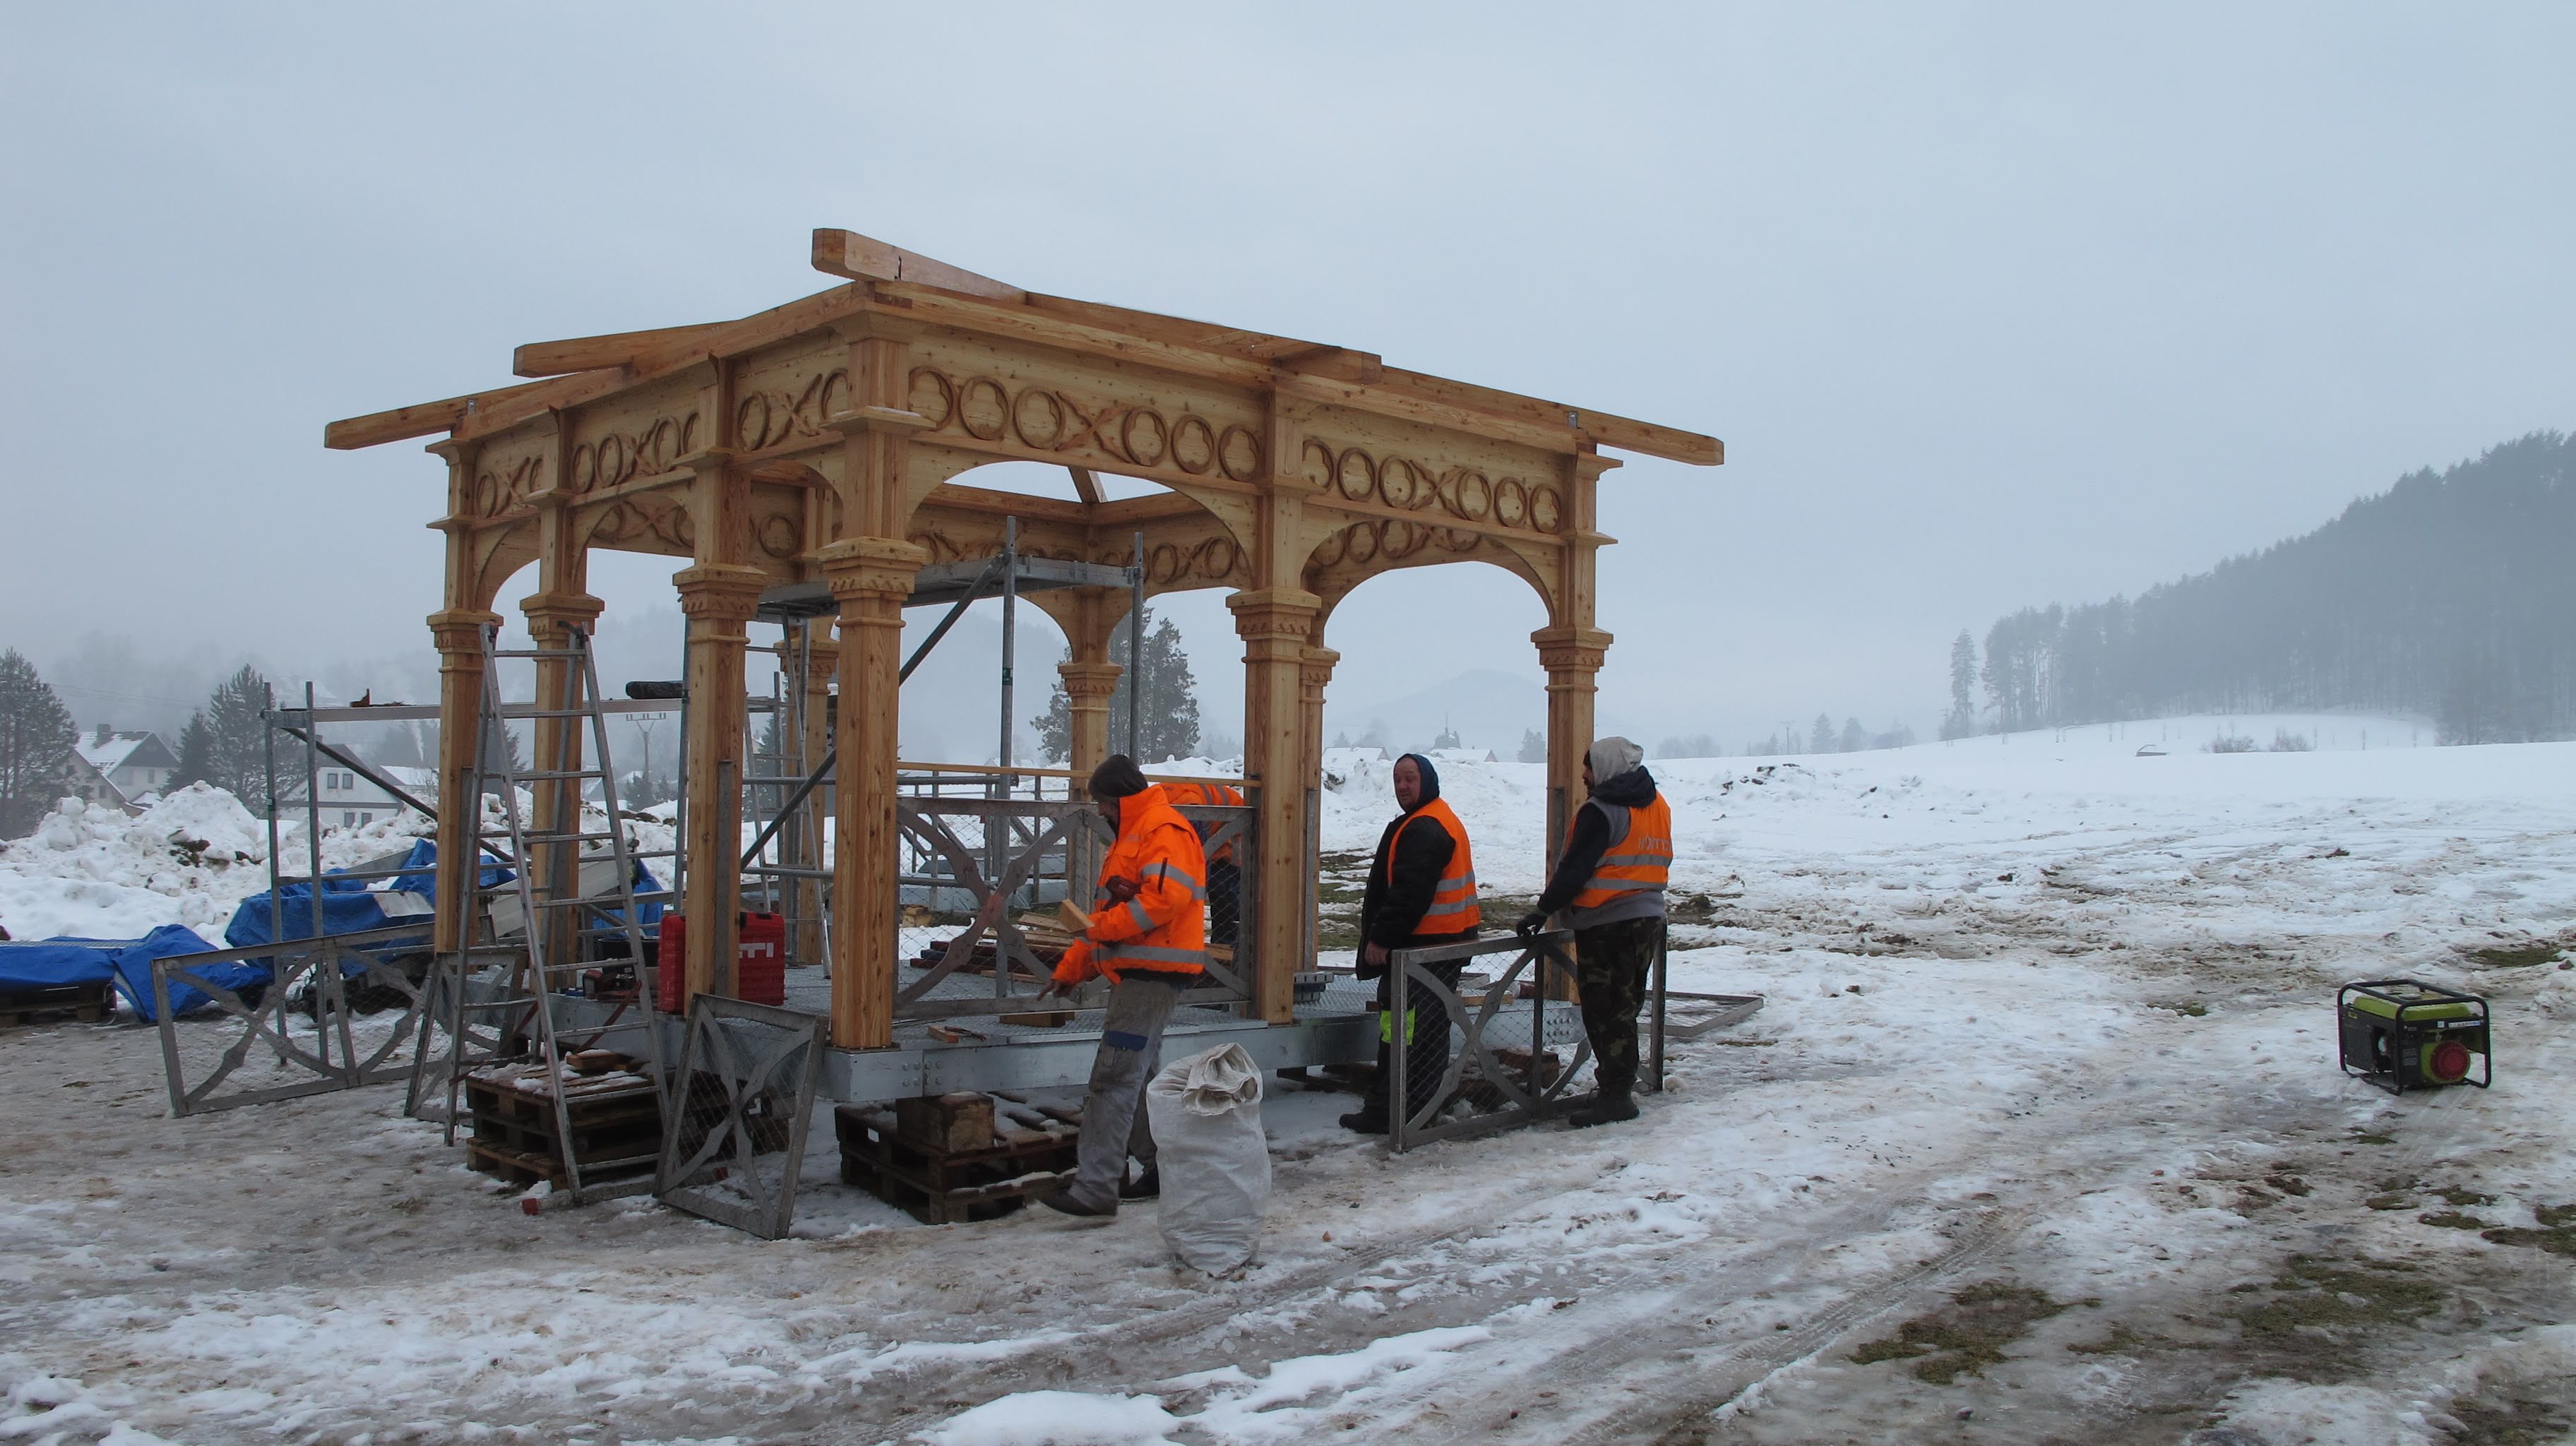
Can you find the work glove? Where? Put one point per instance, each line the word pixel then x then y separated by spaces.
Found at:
pixel 1121 890
pixel 1531 922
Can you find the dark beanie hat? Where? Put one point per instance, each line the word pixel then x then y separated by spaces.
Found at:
pixel 1117 777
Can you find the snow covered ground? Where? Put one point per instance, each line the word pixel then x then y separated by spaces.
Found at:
pixel 2039 1138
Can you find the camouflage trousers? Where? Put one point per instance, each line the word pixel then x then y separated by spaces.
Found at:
pixel 1612 967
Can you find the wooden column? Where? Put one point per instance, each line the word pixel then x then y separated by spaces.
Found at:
pixel 870 577
pixel 719 600
pixel 558 607
pixel 1276 625
pixel 823 665
pixel 1313 675
pixel 458 633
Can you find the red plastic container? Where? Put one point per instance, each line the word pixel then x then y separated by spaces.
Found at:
pixel 760 960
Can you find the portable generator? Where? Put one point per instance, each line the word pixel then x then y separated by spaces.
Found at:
pixel 2403 1034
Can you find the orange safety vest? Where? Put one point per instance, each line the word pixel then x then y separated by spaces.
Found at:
pixel 1639 857
pixel 1453 902
pixel 1158 851
pixel 1207 795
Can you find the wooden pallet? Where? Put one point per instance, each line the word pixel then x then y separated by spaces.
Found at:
pixel 516 1137
pixel 953 1188
pixel 87 1003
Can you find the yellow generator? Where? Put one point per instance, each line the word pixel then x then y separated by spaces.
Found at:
pixel 2403 1034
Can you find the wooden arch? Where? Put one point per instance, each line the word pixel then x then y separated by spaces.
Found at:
pixel 824 440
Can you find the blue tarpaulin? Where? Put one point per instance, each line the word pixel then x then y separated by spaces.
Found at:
pixel 347 908
pixel 133 965
pixel 423 859
pixel 48 963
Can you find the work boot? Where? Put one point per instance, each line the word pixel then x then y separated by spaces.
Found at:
pixel 1148 1186
pixel 1604 1110
pixel 1366 1122
pixel 1066 1202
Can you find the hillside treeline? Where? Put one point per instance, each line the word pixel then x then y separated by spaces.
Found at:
pixel 2452 594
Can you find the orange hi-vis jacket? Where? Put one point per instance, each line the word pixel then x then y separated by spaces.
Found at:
pixel 1206 795
pixel 1453 902
pixel 1163 929
pixel 1638 858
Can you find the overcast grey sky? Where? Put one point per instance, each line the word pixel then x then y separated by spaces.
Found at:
pixel 1993 305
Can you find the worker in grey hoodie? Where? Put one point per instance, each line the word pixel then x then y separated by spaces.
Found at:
pixel 1609 889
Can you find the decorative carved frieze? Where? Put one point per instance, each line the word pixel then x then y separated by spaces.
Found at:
pixel 1469 494
pixel 652 445
pixel 1059 423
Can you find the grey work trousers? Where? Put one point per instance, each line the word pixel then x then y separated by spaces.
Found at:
pixel 1114 1125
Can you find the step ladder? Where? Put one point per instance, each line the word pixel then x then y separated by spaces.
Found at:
pixel 499 1000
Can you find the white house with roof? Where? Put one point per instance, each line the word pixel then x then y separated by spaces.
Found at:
pixel 133 764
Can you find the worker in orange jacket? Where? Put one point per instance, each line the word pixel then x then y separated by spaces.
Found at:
pixel 1148 937
pixel 1224 876
pixel 1421 892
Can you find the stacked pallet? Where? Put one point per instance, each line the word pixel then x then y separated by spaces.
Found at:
pixel 616 1118
pixel 87 1002
pixel 952 1158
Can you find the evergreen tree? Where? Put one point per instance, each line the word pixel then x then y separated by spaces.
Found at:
pixel 225 742
pixel 36 737
pixel 1963 687
pixel 1533 746
pixel 1821 738
pixel 2446 595
pixel 1170 726
pixel 1855 738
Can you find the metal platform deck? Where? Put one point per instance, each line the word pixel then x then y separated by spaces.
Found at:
pixel 1337 1029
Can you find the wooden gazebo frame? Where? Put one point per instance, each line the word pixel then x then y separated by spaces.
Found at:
pixel 822 441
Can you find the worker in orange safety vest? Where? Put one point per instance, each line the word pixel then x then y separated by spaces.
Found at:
pixel 1609 889
pixel 1421 891
pixel 1224 877
pixel 1148 937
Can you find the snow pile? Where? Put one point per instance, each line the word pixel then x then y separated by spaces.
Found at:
pixel 189 859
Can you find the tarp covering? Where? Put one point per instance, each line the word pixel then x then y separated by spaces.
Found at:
pixel 47 963
pixel 347 908
pixel 133 965
pixel 423 861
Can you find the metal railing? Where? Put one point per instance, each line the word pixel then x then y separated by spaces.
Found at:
pixel 1520 1092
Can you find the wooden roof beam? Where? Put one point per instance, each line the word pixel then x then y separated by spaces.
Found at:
pixel 864 258
pixel 597 353
pixel 418 420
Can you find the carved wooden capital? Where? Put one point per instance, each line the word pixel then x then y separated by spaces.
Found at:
pixel 460 630
pixel 1277 614
pixel 1316 670
pixel 720 591
pixel 879 569
pixel 1571 650
pixel 561 610
pixel 1089 684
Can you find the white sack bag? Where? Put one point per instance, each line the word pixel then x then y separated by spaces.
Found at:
pixel 1213 1159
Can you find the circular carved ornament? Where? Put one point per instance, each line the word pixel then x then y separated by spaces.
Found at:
pixel 1238 452
pixel 1317 461
pixel 1332 549
pixel 932 395
pixel 1164 563
pixel 1363 544
pixel 1355 474
pixel 780 535
pixel 1217 557
pixel 487 494
pixel 1471 496
pixel 1546 508
pixel 1193 446
pixel 982 408
pixel 1399 539
pixel 1511 502
pixel 1144 435
pixel 1039 417
pixel 1397 481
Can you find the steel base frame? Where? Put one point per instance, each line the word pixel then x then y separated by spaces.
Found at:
pixel 322 961
pixel 760 1065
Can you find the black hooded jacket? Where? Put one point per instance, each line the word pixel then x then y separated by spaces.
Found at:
pixel 1632 789
pixel 1392 907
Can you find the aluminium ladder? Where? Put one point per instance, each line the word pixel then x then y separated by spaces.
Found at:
pixel 551 910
